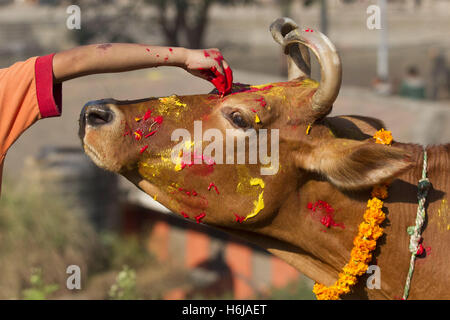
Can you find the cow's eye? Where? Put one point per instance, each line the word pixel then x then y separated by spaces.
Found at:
pixel 239 120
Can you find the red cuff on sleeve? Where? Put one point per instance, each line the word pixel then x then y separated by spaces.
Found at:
pixel 49 95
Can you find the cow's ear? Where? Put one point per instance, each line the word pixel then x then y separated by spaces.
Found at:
pixel 351 164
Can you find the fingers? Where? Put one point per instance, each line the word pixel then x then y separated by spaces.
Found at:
pixel 223 75
pixel 219 81
pixel 215 69
pixel 228 76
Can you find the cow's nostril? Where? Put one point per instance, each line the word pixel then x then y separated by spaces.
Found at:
pixel 99 115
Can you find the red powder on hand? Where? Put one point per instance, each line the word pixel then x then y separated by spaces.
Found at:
pixel 206 53
pixel 171 50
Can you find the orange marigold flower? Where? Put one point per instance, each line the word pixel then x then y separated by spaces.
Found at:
pixel 365 245
pixel 374 216
pixel 363 255
pixel 383 137
pixel 358 268
pixel 380 192
pixel 324 293
pixel 346 280
pixel 377 232
pixel 375 203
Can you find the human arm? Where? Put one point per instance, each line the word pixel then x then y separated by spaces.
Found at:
pixel 118 57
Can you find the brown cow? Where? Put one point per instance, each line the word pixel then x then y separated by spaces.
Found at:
pixel 337 161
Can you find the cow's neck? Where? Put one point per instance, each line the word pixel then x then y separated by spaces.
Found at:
pixel 297 236
pixel 323 250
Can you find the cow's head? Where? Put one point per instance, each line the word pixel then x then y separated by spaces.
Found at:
pixel 133 138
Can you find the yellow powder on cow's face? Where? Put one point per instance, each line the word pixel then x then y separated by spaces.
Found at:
pixel 256 182
pixel 258 206
pixel 171 106
pixel 243 185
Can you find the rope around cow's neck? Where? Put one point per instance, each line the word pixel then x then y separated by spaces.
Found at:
pixel 415 231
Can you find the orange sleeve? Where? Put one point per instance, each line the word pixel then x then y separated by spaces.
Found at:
pixel 27 93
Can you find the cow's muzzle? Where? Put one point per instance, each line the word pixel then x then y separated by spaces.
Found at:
pixel 94 114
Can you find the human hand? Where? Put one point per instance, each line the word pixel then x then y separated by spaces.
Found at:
pixel 209 64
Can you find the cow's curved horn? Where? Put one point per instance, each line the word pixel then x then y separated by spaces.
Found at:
pixel 326 53
pixel 299 64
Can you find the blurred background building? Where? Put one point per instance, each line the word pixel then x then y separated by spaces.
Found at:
pixel 101 222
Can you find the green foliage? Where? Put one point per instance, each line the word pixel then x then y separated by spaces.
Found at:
pixel 38 232
pixel 125 286
pixel 296 290
pixel 124 251
pixel 38 290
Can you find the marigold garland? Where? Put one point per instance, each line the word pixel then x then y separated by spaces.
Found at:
pixel 365 242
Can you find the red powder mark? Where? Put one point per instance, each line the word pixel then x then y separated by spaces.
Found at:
pixel 148 50
pixel 206 53
pixel 157 55
pixel 203 169
pixel 326 211
pixel 184 214
pixel 150 134
pixel 309 30
pixel 189 193
pixel 261 101
pixel 147 114
pixel 126 133
pixel 138 134
pixel 213 185
pixel 143 149
pixel 166 58
pixel 219 81
pixel 171 50
pixel 239 218
pixel 423 251
pixel 200 217
pixel 158 119
pixel 229 75
pixel 253 110
pixel 420 250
